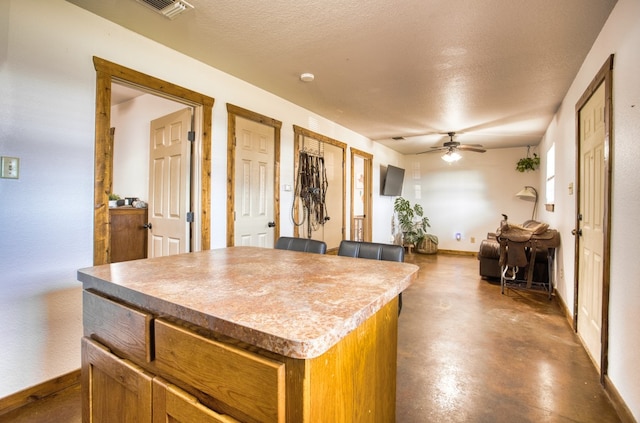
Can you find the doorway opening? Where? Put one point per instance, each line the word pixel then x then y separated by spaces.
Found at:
pixel 265 212
pixel 108 73
pixel 361 192
pixel 330 228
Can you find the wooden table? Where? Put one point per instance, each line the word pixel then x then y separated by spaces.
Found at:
pixel 242 334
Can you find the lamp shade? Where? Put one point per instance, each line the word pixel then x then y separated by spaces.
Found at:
pixel 527 193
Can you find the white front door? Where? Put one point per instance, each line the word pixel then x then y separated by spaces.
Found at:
pixel 169 184
pixel 591 223
pixel 254 191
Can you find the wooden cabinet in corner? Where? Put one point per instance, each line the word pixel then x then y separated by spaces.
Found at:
pixel 128 234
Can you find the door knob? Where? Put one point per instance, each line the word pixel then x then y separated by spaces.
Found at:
pixel 147 226
pixel 271 224
pixel 579 232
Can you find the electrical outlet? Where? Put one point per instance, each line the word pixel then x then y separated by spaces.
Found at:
pixel 472 239
pixel 10 167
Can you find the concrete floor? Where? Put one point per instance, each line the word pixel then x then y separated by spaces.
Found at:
pixel 466 353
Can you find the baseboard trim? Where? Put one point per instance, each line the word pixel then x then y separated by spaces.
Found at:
pixel 618 403
pixel 565 309
pixel 458 252
pixel 42 390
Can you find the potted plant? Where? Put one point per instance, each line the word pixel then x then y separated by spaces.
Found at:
pixel 113 200
pixel 413 225
pixel 528 163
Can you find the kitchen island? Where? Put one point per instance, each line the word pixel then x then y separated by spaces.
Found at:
pixel 241 334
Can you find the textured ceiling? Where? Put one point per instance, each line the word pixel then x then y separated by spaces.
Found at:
pixel 494 71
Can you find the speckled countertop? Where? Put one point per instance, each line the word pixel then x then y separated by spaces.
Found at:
pixel 295 304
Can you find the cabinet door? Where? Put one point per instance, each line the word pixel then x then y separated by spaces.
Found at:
pixel 114 390
pixel 128 234
pixel 172 405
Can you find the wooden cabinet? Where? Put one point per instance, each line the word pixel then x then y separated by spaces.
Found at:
pixel 173 405
pixel 119 390
pixel 128 234
pixel 164 370
pixel 241 380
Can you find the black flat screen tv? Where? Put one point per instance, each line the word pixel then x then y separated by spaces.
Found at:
pixel 392 181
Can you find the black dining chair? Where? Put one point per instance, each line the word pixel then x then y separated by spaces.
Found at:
pixel 301 244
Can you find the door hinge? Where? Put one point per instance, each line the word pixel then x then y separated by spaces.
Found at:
pixel 190 217
pixel 191 136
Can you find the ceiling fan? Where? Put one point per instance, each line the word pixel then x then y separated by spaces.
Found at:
pixel 450 147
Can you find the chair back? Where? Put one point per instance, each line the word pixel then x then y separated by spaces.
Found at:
pixel 301 244
pixel 371 250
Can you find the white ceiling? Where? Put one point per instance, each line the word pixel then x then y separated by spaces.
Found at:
pixel 494 71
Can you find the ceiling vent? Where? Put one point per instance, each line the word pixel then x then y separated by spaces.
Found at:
pixel 168 8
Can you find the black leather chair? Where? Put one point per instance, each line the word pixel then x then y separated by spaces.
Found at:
pixel 301 244
pixel 373 251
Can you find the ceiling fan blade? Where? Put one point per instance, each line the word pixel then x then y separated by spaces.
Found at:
pixel 434 150
pixel 471 148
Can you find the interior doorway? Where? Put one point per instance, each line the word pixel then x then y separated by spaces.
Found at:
pixel 324 158
pixel 170 180
pixel 593 205
pixel 264 214
pixel 108 73
pixel 361 195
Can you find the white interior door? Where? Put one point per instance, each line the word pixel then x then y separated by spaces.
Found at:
pixel 254 179
pixel 169 184
pixel 591 240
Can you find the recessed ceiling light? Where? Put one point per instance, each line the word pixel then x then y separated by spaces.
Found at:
pixel 306 77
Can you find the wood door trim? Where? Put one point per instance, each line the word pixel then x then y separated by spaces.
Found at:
pixel 106 73
pixel 233 112
pixel 604 76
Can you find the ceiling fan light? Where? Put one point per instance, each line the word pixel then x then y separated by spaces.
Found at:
pixel 451 156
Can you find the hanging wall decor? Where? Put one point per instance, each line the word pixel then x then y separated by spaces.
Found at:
pixel 311 191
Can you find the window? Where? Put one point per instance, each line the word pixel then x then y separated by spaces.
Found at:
pixel 550 192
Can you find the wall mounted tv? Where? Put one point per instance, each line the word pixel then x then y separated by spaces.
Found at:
pixel 391 180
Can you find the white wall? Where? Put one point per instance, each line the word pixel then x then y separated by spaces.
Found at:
pixel 47 105
pixel 131 121
pixel 469 196
pixel 620 36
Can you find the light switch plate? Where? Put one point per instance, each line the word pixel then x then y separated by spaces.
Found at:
pixel 10 167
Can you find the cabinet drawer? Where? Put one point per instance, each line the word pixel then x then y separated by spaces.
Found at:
pixel 172 404
pixel 249 383
pixel 123 329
